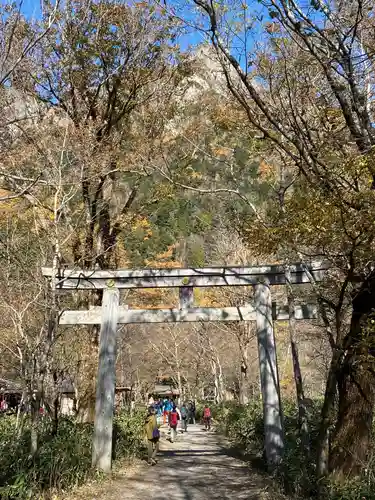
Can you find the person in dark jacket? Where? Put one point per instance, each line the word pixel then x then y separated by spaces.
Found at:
pixel 192 411
pixel 184 417
pixel 153 435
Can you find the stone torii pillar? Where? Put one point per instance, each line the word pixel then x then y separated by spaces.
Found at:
pixel 269 376
pixel 106 382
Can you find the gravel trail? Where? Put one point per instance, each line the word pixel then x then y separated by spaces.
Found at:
pixel 195 467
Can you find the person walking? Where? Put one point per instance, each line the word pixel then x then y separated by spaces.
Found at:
pixel 184 417
pixel 189 406
pixel 173 421
pixel 207 417
pixel 178 411
pixel 168 407
pixel 153 436
pixel 165 411
pixel 159 413
pixel 193 412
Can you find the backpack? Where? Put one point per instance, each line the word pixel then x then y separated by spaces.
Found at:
pixel 173 419
pixel 183 412
pixel 207 412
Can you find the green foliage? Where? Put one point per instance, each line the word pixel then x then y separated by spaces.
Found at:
pixel 195 253
pixel 172 215
pixel 359 489
pixel 129 432
pixel 63 461
pixel 243 425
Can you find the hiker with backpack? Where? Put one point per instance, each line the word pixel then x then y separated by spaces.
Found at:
pixel 207 417
pixel 153 435
pixel 165 411
pixel 193 412
pixel 168 408
pixel 184 417
pixel 173 421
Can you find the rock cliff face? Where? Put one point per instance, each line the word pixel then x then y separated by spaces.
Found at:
pixel 207 75
pixel 18 107
pixel 16 112
pixel 205 80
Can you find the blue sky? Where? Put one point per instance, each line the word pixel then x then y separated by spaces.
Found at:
pixel 32 9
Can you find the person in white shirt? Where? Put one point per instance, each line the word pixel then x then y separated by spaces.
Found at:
pixel 178 412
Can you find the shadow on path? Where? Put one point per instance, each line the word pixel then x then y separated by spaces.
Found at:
pixel 195 467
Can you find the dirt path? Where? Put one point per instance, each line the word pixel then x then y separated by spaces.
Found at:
pixel 195 467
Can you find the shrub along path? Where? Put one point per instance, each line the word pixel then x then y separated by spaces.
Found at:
pixel 195 467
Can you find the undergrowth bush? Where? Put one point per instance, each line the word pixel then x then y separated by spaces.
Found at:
pixel 243 425
pixel 128 435
pixel 63 461
pixel 359 489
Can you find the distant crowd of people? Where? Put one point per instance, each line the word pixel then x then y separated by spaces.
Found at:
pixel 167 411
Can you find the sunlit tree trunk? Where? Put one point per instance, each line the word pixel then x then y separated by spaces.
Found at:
pixel 243 382
pixel 327 416
pixel 302 412
pixel 220 381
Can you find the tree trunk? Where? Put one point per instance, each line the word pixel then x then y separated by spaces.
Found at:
pixel 327 415
pixel 86 400
pixel 34 407
pixel 87 384
pixel 216 381
pixel 20 414
pixel 179 386
pixel 302 412
pixel 243 377
pixel 56 405
pixel 197 393
pixel 75 400
pixel 220 382
pixel 352 440
pixel 356 387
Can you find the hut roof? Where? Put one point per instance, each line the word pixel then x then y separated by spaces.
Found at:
pixel 9 386
pixel 165 390
pixel 66 386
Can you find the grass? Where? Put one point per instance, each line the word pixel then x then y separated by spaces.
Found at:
pixel 63 461
pixel 243 425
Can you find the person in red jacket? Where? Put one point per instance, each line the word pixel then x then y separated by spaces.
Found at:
pixel 207 418
pixel 173 421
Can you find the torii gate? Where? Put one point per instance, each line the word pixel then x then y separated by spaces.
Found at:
pixel 111 313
